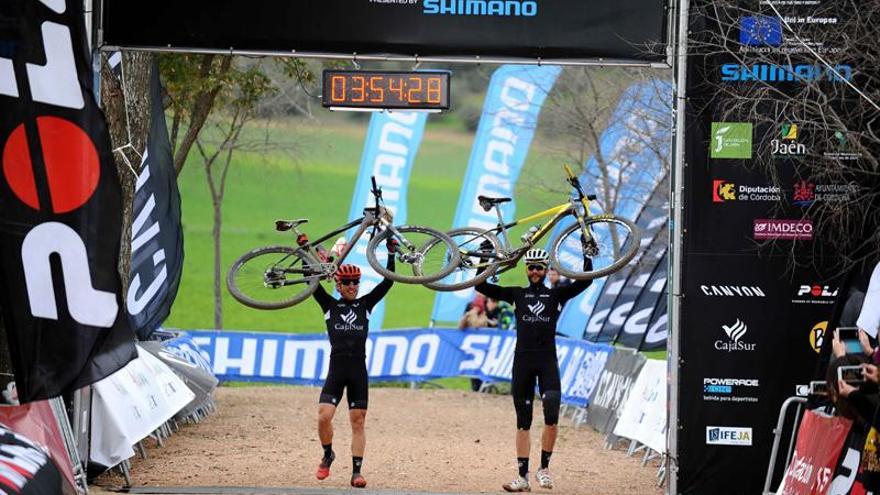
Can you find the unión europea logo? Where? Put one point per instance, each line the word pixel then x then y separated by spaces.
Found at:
pixel 507 8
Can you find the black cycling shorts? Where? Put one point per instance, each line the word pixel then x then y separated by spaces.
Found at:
pixel 529 367
pixel 349 374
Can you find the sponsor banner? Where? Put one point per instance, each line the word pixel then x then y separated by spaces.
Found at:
pixel 652 280
pixel 132 403
pixel 639 113
pixel 62 207
pixel 567 29
pixel 658 327
pixel 393 139
pixel 731 390
pixel 156 232
pixel 27 468
pixel 643 417
pixel 37 422
pixel 405 355
pixel 507 125
pixel 726 435
pixel 612 389
pixel 184 347
pixel 796 230
pixel 820 440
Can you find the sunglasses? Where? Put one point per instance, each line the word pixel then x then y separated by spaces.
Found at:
pixel 349 282
pixel 537 268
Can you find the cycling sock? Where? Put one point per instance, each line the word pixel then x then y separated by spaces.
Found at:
pixel 523 463
pixel 328 452
pixel 356 463
pixel 545 459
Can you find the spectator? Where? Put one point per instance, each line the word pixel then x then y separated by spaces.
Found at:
pixel 474 316
pixel 869 317
pixel 500 314
pixel 555 280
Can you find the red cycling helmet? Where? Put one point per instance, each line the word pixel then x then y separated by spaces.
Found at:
pixel 348 272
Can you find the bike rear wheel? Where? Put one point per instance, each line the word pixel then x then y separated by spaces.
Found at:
pixel 568 252
pixel 273 277
pixel 412 259
pixel 470 244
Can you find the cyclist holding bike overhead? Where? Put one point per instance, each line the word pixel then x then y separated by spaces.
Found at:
pixel 347 321
pixel 537 310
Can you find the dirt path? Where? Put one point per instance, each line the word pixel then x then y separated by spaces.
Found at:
pixel 417 440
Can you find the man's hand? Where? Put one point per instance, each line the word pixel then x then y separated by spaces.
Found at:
pixel 845 389
pixel 871 372
pixel 392 244
pixel 838 348
pixel 866 344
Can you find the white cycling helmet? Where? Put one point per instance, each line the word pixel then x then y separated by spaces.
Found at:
pixel 538 256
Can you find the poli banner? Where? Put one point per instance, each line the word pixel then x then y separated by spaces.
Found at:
pixel 820 440
pixel 389 151
pixel 510 114
pixel 407 355
pixel 638 133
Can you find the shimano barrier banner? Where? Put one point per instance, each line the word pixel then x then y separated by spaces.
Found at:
pixel 156 232
pixel 401 355
pixel 393 139
pixel 61 205
pixel 507 125
pixel 567 29
pixel 611 391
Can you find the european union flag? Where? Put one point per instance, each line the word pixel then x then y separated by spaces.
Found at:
pixel 760 31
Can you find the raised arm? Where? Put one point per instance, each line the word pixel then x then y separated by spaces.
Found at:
pixel 324 299
pixel 573 289
pixel 379 291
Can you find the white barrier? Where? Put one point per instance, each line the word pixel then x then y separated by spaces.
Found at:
pixel 132 403
pixel 643 417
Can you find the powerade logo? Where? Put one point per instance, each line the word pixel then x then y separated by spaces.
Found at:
pixel 803 73
pixel 506 8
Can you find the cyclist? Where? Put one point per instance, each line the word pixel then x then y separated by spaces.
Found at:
pixel 347 320
pixel 537 308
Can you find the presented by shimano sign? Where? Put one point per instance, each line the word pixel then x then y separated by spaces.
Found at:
pixel 405 355
pixel 510 8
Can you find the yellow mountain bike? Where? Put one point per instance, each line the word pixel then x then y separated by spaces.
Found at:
pixel 610 241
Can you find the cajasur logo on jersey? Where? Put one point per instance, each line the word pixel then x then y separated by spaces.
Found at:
pixel 537 310
pixel 349 320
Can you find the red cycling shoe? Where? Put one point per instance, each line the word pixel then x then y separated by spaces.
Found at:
pixel 358 481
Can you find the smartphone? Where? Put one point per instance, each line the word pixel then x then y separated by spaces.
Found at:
pixel 850 337
pixel 819 387
pixel 851 374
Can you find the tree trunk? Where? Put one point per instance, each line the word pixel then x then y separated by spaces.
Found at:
pixel 127 127
pixel 218 275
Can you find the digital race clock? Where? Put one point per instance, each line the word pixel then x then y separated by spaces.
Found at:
pixel 377 90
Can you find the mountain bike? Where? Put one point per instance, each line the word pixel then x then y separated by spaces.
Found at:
pixel 277 277
pixel 610 241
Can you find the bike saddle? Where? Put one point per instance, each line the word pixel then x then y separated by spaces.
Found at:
pixel 282 225
pixel 487 203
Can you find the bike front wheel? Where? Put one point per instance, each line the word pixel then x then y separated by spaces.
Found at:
pixel 273 277
pixel 615 242
pixel 410 258
pixel 473 247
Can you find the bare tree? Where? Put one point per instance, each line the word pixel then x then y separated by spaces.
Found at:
pixel 811 93
pixel 635 106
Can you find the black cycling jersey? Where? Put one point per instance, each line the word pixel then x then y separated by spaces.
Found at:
pixel 537 309
pixel 348 322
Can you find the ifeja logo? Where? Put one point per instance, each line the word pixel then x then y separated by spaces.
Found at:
pixel 505 8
